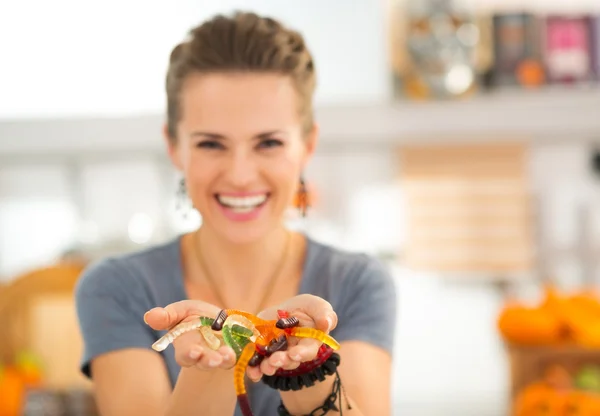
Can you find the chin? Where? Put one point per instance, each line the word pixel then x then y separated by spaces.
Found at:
pixel 247 233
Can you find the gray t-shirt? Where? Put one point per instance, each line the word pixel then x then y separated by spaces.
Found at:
pixel 113 295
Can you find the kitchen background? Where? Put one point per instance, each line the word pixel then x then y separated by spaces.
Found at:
pixel 458 147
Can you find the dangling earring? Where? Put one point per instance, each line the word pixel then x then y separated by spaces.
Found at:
pixel 303 202
pixel 182 198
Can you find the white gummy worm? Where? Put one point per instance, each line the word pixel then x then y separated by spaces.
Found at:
pixel 176 332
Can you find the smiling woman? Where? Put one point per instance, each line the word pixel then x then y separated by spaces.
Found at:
pixel 241 146
pixel 240 129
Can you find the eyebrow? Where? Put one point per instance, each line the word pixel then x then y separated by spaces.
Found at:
pixel 217 136
pixel 207 135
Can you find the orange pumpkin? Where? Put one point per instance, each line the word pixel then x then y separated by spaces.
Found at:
pixel 559 318
pixel 580 403
pixel 588 302
pixel 529 326
pixel 539 399
pixel 581 316
pixel 12 392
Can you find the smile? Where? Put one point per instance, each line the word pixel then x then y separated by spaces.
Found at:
pixel 242 204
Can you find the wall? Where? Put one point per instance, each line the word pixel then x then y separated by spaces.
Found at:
pixel 119 50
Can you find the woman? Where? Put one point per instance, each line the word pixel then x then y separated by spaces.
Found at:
pixel 240 129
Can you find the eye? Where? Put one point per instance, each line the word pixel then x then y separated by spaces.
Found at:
pixel 210 144
pixel 268 143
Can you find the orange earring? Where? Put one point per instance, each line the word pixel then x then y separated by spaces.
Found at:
pixel 302 197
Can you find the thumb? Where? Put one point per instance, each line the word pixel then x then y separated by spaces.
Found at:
pixel 157 318
pixel 164 318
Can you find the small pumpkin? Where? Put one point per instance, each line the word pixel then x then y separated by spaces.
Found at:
pixel 539 399
pixel 529 326
pixel 580 314
pixel 12 392
pixel 587 301
pixel 579 403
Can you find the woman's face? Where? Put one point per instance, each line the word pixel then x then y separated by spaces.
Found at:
pixel 241 150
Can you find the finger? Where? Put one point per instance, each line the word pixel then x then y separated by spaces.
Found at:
pixel 278 359
pixel 267 368
pixel 291 365
pixel 189 349
pixel 281 360
pixel 227 356
pixel 317 308
pixel 306 349
pixel 190 357
pixel 254 374
pixel 213 359
pixel 164 318
pixel 321 312
pixel 210 360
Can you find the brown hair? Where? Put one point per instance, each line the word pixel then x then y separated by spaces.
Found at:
pixel 242 42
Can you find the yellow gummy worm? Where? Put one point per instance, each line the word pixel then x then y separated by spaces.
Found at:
pixel 239 371
pixel 316 334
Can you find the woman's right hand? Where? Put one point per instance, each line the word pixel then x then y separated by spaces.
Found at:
pixel 190 348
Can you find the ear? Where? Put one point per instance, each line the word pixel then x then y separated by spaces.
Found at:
pixel 172 148
pixel 311 140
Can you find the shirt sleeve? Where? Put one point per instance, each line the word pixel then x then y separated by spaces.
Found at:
pixel 109 314
pixel 367 311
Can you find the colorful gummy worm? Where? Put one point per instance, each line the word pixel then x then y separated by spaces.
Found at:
pixel 251 338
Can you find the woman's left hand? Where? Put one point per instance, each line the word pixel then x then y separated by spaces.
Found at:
pixel 312 311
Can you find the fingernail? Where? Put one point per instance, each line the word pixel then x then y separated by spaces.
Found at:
pixel 296 357
pixel 330 322
pixel 214 363
pixel 277 364
pixel 194 354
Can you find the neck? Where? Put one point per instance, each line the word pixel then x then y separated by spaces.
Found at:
pixel 240 265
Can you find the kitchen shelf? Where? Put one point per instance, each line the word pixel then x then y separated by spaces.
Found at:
pixel 565 113
pixel 536 115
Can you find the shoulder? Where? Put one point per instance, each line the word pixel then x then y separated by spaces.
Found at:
pixel 362 291
pixel 113 294
pixel 349 280
pixel 120 273
pixel 345 267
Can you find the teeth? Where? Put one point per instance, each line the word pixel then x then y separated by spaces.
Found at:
pixel 242 210
pixel 243 204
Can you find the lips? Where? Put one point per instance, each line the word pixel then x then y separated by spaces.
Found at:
pixel 242 204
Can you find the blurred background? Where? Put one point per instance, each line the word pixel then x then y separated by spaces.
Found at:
pixel 460 144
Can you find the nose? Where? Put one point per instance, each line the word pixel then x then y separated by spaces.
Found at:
pixel 241 169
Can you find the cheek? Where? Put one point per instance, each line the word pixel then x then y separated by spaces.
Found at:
pixel 287 180
pixel 198 177
pixel 287 171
